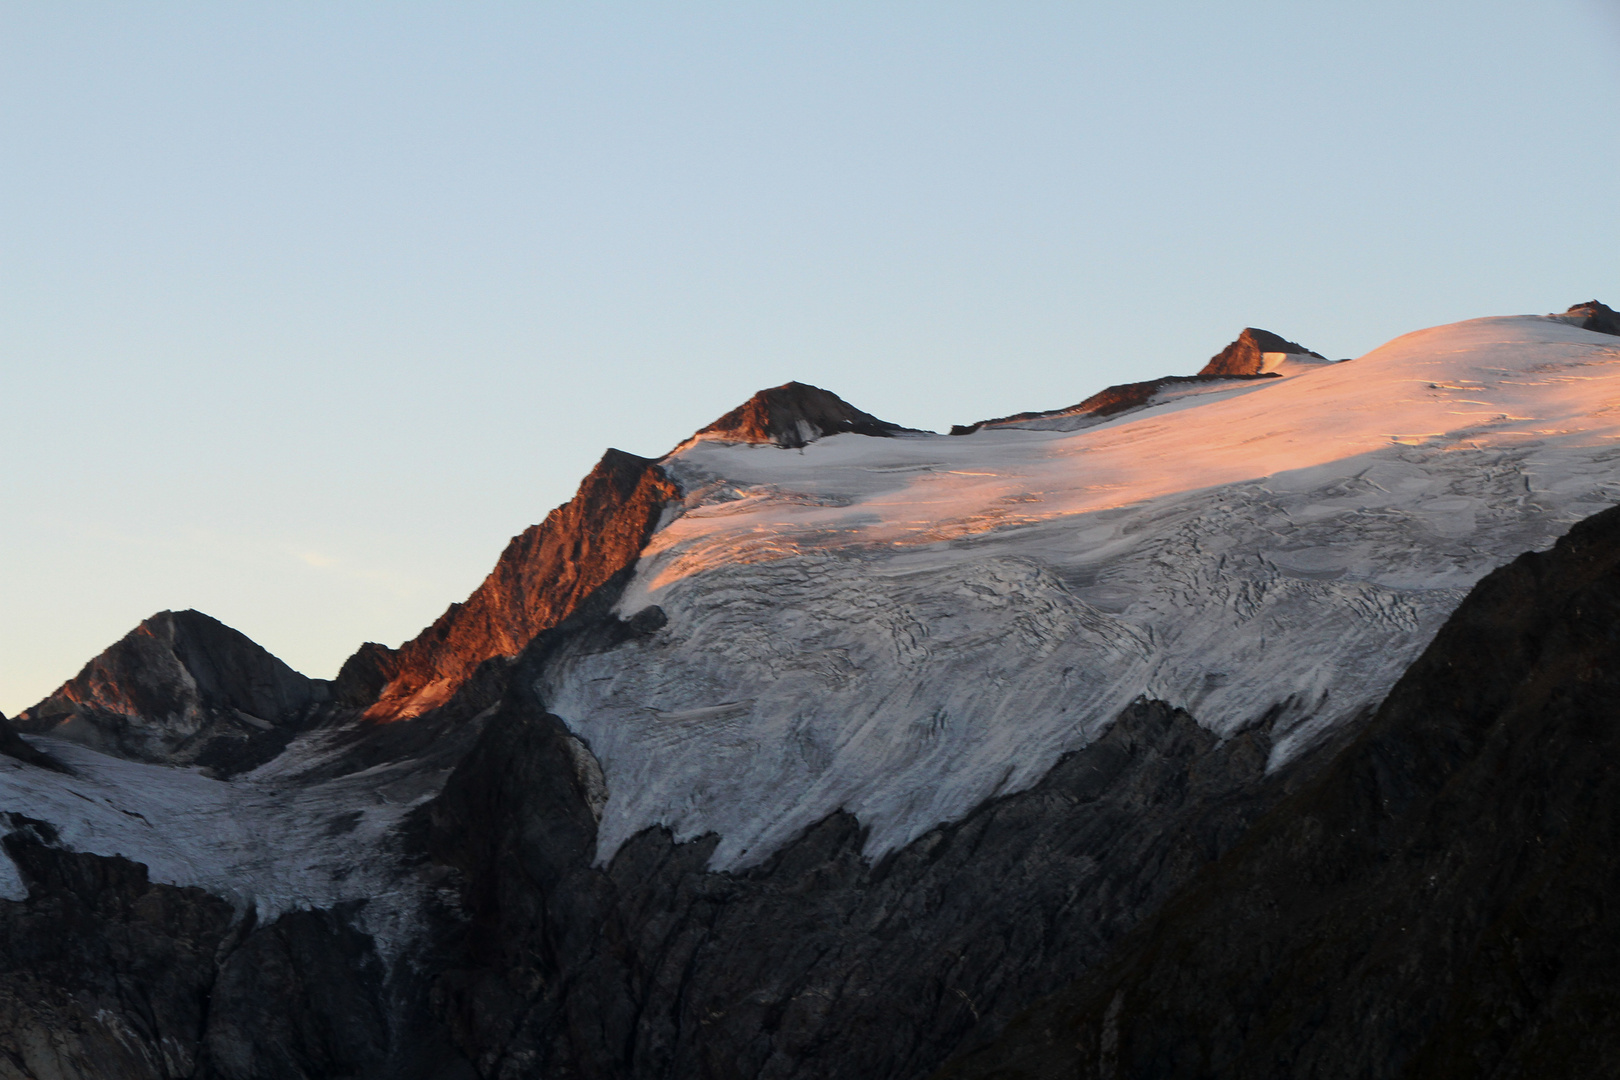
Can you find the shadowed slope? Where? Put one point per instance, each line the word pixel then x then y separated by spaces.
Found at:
pixel 1438 904
pixel 1597 316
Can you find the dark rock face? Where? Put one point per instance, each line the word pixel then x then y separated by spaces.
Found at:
pixel 541 578
pixel 1245 355
pixel 794 414
pixel 1110 401
pixel 14 746
pixel 1438 903
pixel 179 688
pixel 106 974
pixel 1595 316
pixel 101 972
pixel 816 963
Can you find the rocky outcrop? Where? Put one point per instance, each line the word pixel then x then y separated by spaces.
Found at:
pixel 1110 401
pixel 1439 903
pixel 793 415
pixel 104 973
pixel 14 746
pixel 1243 359
pixel 1593 315
pixel 1246 355
pixel 180 688
pixel 815 963
pixel 541 578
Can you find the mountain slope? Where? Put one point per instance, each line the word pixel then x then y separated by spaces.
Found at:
pixel 1437 904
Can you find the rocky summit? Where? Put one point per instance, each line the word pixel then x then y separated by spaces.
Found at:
pixel 1236 724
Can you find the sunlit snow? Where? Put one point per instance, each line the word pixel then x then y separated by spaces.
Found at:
pixel 905 627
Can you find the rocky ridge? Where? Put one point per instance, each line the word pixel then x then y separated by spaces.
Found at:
pixel 539 580
pixel 1595 316
pixel 1244 358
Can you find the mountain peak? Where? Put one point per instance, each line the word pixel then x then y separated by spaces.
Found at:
pixel 170 689
pixel 794 414
pixel 1246 355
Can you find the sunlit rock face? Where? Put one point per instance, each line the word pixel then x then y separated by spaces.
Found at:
pixel 1254 352
pixel 539 580
pixel 181 687
pixel 547 571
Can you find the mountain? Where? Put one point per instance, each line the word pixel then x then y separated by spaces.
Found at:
pixel 823 748
pixel 1593 315
pixel 793 415
pixel 179 688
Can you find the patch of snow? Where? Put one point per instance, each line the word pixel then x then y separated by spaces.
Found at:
pixel 272 839
pixel 903 628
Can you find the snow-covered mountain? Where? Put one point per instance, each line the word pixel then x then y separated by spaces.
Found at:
pixel 806 657
pixel 905 627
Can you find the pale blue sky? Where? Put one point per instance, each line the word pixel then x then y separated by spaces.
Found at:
pixel 306 308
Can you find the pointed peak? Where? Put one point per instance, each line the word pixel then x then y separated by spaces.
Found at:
pixel 1597 316
pixel 1246 355
pixel 794 414
pixel 171 687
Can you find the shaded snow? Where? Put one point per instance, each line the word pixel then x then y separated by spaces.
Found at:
pixel 274 839
pixel 905 627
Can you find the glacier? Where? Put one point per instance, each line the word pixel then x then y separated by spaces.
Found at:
pixel 905 627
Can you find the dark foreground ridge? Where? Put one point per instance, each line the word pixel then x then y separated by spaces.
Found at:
pixel 1439 903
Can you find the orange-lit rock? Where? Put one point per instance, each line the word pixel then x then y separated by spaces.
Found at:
pixel 540 579
pixel 1246 355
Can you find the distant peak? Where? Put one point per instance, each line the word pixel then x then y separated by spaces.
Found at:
pixel 169 689
pixel 794 414
pixel 1246 355
pixel 1597 316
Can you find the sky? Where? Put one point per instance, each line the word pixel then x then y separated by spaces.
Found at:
pixel 305 309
